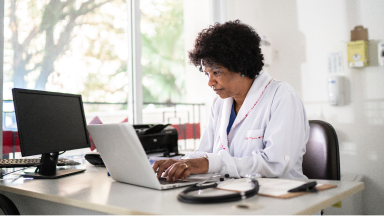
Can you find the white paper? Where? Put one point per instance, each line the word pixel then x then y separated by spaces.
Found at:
pixel 243 184
pixel 277 187
pixel 335 63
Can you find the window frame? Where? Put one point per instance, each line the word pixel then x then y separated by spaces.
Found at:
pixel 1 72
pixel 135 96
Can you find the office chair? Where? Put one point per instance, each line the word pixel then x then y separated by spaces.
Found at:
pixel 8 207
pixel 322 159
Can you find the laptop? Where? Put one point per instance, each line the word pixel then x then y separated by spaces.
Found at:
pixel 125 158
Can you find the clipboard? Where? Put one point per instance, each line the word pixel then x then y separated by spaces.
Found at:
pixel 271 187
pixel 287 195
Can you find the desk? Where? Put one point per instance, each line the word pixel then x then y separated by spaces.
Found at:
pixel 96 193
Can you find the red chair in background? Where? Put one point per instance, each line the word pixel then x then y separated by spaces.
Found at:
pixel 11 142
pixel 188 130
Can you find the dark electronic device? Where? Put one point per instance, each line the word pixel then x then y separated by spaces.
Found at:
pixel 158 139
pixel 307 187
pixel 49 123
pixel 94 158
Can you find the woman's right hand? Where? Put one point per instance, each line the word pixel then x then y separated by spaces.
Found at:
pixel 161 165
pixel 180 169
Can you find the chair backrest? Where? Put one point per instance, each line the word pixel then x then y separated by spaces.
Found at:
pixel 322 159
pixel 7 206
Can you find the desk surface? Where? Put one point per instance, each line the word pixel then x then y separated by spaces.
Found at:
pixel 94 190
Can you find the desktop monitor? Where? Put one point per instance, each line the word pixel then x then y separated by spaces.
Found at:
pixel 49 123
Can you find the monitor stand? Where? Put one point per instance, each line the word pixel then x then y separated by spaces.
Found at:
pixel 47 168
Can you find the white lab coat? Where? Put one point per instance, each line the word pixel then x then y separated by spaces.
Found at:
pixel 268 138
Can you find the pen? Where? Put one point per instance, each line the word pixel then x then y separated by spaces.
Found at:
pixel 307 187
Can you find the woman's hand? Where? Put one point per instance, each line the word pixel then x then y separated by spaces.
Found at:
pixel 176 169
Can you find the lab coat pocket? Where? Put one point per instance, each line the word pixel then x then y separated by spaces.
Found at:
pixel 254 138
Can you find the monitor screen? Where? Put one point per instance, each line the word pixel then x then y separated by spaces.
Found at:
pixel 49 122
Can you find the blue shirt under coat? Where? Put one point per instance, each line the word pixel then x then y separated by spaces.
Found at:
pixel 232 118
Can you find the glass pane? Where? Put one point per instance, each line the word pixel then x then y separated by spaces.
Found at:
pixel 73 46
pixel 164 63
pixel 163 54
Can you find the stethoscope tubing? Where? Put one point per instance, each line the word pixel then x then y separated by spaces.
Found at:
pixel 184 197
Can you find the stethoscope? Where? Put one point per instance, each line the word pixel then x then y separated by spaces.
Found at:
pixel 186 197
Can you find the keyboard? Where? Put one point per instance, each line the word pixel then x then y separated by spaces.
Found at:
pixel 163 181
pixel 26 162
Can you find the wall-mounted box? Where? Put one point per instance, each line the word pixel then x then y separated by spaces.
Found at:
pixel 357 53
pixel 358 47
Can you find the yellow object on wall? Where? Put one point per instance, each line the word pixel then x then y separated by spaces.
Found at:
pixel 358 53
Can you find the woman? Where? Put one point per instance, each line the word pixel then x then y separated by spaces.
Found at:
pixel 257 124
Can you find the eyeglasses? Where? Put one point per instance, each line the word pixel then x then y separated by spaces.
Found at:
pixel 202 66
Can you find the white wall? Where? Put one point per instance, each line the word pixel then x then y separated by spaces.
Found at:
pixel 303 33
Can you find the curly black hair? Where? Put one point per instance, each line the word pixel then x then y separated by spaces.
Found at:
pixel 233 45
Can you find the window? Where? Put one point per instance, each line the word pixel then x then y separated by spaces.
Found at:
pixel 163 52
pixel 78 47
pixel 88 47
pixel 168 30
pixel 71 46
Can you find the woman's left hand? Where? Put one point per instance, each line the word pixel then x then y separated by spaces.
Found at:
pixel 181 169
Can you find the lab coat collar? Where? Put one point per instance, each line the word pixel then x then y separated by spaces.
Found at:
pixel 224 120
pixel 253 95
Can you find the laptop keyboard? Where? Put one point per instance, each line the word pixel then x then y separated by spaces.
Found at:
pixel 164 181
pixel 26 162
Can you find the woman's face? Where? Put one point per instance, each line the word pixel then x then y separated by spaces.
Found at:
pixel 225 83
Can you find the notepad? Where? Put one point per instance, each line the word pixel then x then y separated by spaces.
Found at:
pixel 278 187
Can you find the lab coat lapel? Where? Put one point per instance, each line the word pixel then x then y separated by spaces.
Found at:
pixel 224 120
pixel 253 95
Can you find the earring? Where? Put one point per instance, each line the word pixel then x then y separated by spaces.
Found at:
pixel 242 75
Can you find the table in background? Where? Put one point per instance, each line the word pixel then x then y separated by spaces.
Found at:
pixel 93 192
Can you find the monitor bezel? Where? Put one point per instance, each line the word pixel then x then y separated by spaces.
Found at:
pixel 24 152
